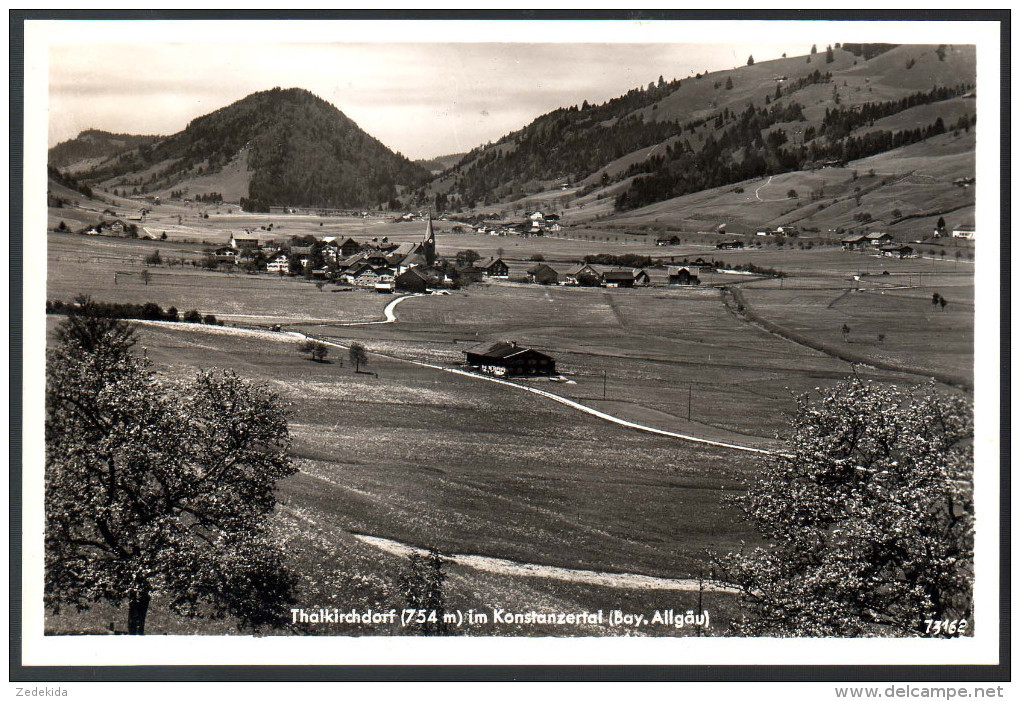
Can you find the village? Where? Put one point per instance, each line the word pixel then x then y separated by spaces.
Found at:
pixel 386 266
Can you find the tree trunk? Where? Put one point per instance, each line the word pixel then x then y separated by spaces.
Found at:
pixel 138 607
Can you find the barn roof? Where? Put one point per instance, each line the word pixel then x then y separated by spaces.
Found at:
pixel 414 272
pixel 502 350
pixel 675 270
pixel 621 274
pixel 578 269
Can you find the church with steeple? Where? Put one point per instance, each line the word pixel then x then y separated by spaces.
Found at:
pixel 421 253
pixel 428 243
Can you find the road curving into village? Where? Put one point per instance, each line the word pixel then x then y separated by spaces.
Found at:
pixel 388 313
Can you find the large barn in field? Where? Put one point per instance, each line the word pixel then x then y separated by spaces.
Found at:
pixel 507 359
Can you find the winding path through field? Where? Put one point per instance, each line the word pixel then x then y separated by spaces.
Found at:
pixel 760 187
pixel 276 335
pixel 387 312
pixel 498 565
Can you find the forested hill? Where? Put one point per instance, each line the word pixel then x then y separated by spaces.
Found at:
pixel 93 144
pixel 291 147
pixel 678 136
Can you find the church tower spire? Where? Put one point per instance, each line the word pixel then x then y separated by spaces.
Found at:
pixel 428 243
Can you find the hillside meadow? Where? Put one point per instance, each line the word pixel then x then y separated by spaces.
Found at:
pixel 434 459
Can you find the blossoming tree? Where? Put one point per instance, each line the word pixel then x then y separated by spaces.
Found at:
pixel 867 517
pixel 158 492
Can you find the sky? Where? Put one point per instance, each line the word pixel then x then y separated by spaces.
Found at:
pixel 421 99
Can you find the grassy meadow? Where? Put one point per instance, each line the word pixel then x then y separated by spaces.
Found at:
pixel 434 459
pixel 431 458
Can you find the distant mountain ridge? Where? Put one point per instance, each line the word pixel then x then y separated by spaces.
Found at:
pixel 94 144
pixel 440 163
pixel 685 135
pixel 279 147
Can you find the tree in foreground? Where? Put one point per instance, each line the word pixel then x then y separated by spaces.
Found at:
pixel 423 583
pixel 159 492
pixel 867 516
pixel 358 355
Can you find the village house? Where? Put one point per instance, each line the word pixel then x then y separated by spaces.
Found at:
pixel 723 245
pixel 279 264
pixel 854 242
pixel 348 247
pixel 624 277
pixel 507 359
pixel 470 274
pixel 897 251
pixel 494 267
pixel 244 243
pixel 226 254
pixel 879 238
pixel 964 232
pixel 411 280
pixel 673 240
pixel 575 275
pixel 678 275
pixel 365 275
pixel 543 274
pixel 330 251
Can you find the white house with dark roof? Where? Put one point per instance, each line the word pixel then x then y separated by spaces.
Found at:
pixel 279 264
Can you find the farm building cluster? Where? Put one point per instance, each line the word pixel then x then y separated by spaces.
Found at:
pixel 878 241
pixel 592 275
pixel 536 224
pixel 379 263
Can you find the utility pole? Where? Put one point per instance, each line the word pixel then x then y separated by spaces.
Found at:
pixel 603 384
pixel 689 393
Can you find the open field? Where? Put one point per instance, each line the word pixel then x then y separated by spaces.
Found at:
pixel 913 331
pixel 660 348
pixel 431 458
pixel 649 355
pixel 110 270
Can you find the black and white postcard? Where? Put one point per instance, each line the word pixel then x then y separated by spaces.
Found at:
pixel 569 342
